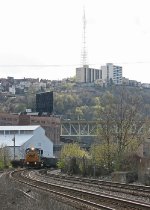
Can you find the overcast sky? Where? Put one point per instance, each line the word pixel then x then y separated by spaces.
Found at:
pixel 46 37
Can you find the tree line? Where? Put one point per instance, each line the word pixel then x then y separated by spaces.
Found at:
pixel 123 125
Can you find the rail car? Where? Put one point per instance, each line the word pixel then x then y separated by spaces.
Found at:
pixel 34 159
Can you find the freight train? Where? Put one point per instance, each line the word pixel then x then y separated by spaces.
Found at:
pixel 34 159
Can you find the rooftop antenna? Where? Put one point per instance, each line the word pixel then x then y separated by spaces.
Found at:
pixel 84 48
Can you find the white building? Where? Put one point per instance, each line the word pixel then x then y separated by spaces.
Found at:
pixel 87 75
pixel 25 83
pixel 113 72
pixel 24 137
pixel 12 89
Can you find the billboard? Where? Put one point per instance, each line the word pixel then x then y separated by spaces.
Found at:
pixel 44 102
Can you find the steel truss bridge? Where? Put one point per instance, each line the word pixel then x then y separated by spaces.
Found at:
pixel 78 128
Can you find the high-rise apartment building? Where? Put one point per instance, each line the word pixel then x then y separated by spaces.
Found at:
pixel 87 75
pixel 112 72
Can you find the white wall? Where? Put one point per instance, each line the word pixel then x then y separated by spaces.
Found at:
pixel 104 72
pixel 80 75
pixel 41 142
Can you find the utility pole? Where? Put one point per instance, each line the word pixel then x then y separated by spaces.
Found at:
pixel 14 146
pixel 4 154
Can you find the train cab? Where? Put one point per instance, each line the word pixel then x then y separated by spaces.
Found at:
pixel 33 157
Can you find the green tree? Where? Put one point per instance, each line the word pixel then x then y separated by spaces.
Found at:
pixel 79 112
pixel 103 156
pixel 72 150
pixel 20 108
pixel 71 156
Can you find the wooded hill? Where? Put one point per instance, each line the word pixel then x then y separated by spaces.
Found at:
pixel 75 102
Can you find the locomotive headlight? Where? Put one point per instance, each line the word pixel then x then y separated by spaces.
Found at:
pixel 35 163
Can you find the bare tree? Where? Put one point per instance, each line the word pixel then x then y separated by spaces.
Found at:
pixel 122 123
pixel 4 156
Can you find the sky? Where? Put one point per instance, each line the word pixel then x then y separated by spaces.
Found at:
pixel 43 38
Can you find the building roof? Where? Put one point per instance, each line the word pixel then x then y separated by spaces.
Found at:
pixel 20 137
pixel 20 127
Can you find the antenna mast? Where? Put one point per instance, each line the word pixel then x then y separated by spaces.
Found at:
pixel 84 49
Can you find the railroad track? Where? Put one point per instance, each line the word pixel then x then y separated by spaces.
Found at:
pixel 82 199
pixel 130 189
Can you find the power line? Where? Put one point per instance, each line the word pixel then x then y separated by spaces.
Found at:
pixel 38 65
pixel 66 65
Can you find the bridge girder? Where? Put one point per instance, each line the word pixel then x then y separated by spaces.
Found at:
pixel 78 128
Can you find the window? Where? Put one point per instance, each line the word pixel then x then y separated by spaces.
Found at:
pixel 6 132
pixel 1 132
pixel 13 132
pixel 22 132
pixel 28 132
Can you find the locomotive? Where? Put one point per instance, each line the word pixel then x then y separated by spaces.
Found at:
pixel 34 159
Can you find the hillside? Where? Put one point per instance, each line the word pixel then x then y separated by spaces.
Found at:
pixel 74 101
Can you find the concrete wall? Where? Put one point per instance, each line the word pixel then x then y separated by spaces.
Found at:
pixel 143 169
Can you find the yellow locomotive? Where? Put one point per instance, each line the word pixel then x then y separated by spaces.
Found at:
pixel 33 157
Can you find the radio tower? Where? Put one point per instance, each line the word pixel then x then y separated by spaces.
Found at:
pixel 84 47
